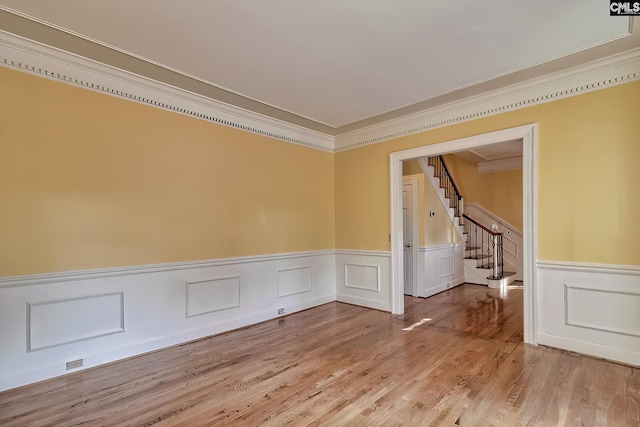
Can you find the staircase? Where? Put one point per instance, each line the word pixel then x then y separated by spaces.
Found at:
pixel 436 171
pixel 483 260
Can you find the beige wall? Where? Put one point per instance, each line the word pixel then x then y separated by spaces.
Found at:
pixel 498 192
pixel 88 180
pixel 587 177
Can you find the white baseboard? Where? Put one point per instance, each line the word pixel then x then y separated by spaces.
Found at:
pixel 48 320
pixel 591 349
pixel 444 287
pixel 364 302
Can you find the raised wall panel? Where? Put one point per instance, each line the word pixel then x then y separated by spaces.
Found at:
pixel 590 309
pixel 446 265
pixel 362 277
pixel 207 296
pixel 293 281
pixel 64 321
pixel 602 309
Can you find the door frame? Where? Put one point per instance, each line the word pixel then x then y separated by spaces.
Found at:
pixel 527 133
pixel 413 181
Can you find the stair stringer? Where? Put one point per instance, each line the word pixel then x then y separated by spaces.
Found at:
pixel 429 173
pixel 474 274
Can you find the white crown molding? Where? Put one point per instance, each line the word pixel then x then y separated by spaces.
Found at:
pixel 45 61
pixel 500 165
pixel 595 75
pixel 65 276
pixel 587 267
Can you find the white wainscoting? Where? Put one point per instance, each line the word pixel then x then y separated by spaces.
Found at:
pixel 512 242
pixel 591 309
pixel 363 278
pixel 440 268
pixel 104 315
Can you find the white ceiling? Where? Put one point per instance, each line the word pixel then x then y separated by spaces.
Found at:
pixel 500 151
pixel 336 62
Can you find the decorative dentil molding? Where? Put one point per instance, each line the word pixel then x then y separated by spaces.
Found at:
pixel 595 75
pixel 45 61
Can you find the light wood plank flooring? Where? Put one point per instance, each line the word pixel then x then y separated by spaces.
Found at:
pixel 455 359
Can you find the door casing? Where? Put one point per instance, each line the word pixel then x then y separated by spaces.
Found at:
pixel 413 240
pixel 527 133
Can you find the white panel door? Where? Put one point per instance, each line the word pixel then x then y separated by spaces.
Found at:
pixel 407 236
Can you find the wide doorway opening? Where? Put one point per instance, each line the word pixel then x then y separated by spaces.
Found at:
pixel 527 135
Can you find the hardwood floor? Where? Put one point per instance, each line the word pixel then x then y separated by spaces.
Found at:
pixel 455 359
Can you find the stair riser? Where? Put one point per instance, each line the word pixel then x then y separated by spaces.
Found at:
pixel 500 283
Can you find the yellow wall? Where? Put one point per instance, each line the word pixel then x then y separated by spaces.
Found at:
pixel 411 167
pixel 420 209
pixel 88 180
pixel 437 229
pixel 498 192
pixel 587 177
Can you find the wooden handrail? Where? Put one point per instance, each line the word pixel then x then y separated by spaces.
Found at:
pixel 495 233
pixel 453 184
pixel 494 246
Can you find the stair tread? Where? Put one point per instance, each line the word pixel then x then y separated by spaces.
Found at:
pixel 505 275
